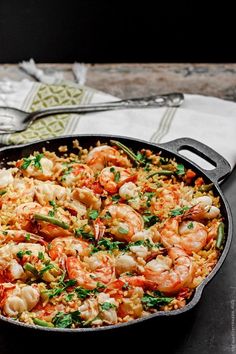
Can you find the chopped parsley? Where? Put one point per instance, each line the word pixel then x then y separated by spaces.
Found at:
pixel 107 216
pixel 115 198
pixel 62 287
pixel 40 255
pixel 84 234
pixel 149 196
pixel 107 306
pixel 53 211
pixel 142 158
pixel 27 237
pixel 155 301
pixel 180 170
pixel 46 268
pixel 83 293
pixel 20 254
pixel 65 320
pixel 93 214
pixel 69 297
pixel 66 172
pixel 178 211
pixel 190 225
pixel 147 243
pixel 35 161
pixel 107 244
pixel 150 219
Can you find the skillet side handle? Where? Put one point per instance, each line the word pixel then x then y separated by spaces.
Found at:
pixel 222 167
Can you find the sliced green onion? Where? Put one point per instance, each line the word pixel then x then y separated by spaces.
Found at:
pixel 161 172
pixel 31 269
pixel 130 153
pixel 220 235
pixel 42 323
pixel 2 192
pixel 206 187
pixel 51 220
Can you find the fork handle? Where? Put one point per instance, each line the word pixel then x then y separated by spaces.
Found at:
pixel 167 100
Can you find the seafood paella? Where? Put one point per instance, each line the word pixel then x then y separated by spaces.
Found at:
pixel 103 236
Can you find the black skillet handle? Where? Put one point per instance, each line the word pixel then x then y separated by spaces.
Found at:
pixel 222 167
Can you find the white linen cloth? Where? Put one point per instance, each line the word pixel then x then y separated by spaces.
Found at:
pixel 207 119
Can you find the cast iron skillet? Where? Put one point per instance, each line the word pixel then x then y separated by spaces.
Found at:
pixel 169 149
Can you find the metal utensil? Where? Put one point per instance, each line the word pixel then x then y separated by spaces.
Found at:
pixel 15 120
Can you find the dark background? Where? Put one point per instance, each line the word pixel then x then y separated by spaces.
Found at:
pixel 116 31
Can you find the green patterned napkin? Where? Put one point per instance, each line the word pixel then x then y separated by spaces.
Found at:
pixel 43 96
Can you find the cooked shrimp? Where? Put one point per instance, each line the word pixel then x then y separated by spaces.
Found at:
pixel 131 305
pixel 102 156
pixel 203 209
pixel 130 192
pixel 123 222
pixel 102 266
pixel 45 192
pixel 87 197
pixel 152 234
pixel 97 268
pixel 61 247
pixel 6 178
pixel 25 219
pixel 172 272
pixel 37 166
pixel 19 299
pixel 77 175
pixel 9 252
pixel 111 178
pixel 168 198
pixel 89 310
pixel 108 316
pixel 125 263
pixel 19 236
pixel 76 269
pixel 190 235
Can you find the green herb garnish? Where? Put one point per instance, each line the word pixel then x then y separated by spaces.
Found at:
pixel 27 237
pixel 30 268
pixel 155 301
pixel 93 214
pixel 178 211
pixel 65 320
pixel 150 219
pixel 115 198
pixel 190 225
pixel 20 254
pixel 107 244
pixel 40 255
pixel 83 234
pixel 180 170
pixel 107 306
pixel 35 162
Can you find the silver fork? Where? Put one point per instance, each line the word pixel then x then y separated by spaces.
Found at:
pixel 15 120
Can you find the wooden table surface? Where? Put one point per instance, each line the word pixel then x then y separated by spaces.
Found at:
pixel 211 327
pixel 130 80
